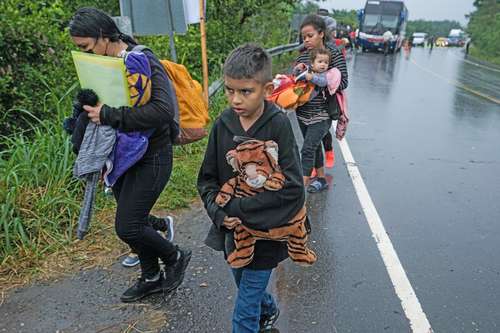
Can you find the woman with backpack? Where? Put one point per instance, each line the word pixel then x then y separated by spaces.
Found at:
pixel 137 190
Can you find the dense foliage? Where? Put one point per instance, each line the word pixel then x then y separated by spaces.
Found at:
pixel 34 55
pixel 484 29
pixel 343 17
pixel 432 28
pixel 39 198
pixel 346 17
pixel 34 46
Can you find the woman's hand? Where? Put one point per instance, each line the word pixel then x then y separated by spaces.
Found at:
pixel 309 76
pixel 300 67
pixel 231 222
pixel 94 113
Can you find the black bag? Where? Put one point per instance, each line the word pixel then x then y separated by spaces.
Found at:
pixel 333 106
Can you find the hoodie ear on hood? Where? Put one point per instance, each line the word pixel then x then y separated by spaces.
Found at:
pixel 232 160
pixel 271 148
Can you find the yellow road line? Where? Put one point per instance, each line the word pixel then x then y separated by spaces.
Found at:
pixel 458 84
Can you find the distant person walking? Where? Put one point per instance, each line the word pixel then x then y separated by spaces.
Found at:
pixel 387 36
pixel 430 42
pixel 330 22
pixel 407 48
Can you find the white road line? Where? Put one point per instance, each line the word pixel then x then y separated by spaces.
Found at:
pixel 397 274
pixel 474 63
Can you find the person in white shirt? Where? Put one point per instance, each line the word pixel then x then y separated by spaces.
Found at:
pixel 387 36
pixel 387 39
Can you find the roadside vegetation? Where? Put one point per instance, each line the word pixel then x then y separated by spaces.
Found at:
pixel 39 198
pixel 484 30
pixel 432 28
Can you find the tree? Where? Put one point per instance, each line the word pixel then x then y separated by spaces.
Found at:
pixel 35 47
pixel 433 28
pixel 346 17
pixel 484 30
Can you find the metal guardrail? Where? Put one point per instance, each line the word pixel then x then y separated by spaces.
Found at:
pixel 283 48
pixel 217 85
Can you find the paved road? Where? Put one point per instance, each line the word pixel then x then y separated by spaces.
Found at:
pixel 425 134
pixel 429 154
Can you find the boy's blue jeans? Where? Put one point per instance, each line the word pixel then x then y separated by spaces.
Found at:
pixel 252 300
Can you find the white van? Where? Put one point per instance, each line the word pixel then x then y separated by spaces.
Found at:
pixel 419 38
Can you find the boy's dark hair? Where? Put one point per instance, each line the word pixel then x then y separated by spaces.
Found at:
pixel 317 22
pixel 249 61
pixel 92 22
pixel 315 52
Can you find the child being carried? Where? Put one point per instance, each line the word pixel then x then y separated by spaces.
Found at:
pixel 292 91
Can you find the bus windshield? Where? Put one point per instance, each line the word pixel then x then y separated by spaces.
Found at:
pixel 371 20
pixel 392 8
pixel 389 21
pixel 380 16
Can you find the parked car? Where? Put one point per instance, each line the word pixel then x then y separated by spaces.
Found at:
pixel 456 37
pixel 419 38
pixel 442 42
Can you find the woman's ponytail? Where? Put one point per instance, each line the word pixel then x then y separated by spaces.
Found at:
pixel 127 39
pixel 92 22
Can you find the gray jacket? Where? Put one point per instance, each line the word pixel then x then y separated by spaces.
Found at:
pixel 97 144
pixel 96 147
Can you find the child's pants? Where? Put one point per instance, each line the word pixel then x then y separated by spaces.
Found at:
pixel 328 138
pixel 312 150
pixel 252 301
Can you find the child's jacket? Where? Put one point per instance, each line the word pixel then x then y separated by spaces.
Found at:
pixel 130 147
pixel 265 210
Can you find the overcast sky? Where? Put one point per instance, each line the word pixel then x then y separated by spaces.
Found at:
pixel 419 9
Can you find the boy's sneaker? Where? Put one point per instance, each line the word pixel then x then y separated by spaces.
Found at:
pixel 131 260
pixel 174 273
pixel 142 288
pixel 267 322
pixel 169 231
pixel 330 159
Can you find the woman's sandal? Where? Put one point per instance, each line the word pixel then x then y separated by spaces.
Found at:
pixel 317 185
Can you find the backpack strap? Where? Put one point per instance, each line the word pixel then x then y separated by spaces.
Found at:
pixel 174 126
pixel 141 48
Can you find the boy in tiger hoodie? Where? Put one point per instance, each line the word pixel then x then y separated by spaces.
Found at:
pixel 247 81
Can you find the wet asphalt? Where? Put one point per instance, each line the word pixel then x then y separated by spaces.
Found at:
pixel 429 153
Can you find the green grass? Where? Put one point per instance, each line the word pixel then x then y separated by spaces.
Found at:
pixel 181 189
pixel 475 52
pixel 40 199
pixel 37 192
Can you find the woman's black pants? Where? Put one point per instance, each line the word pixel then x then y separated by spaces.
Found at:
pixel 136 192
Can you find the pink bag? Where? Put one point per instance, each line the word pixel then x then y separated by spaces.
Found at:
pixel 333 77
pixel 343 119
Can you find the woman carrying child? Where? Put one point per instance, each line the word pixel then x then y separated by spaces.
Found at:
pixel 313 117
